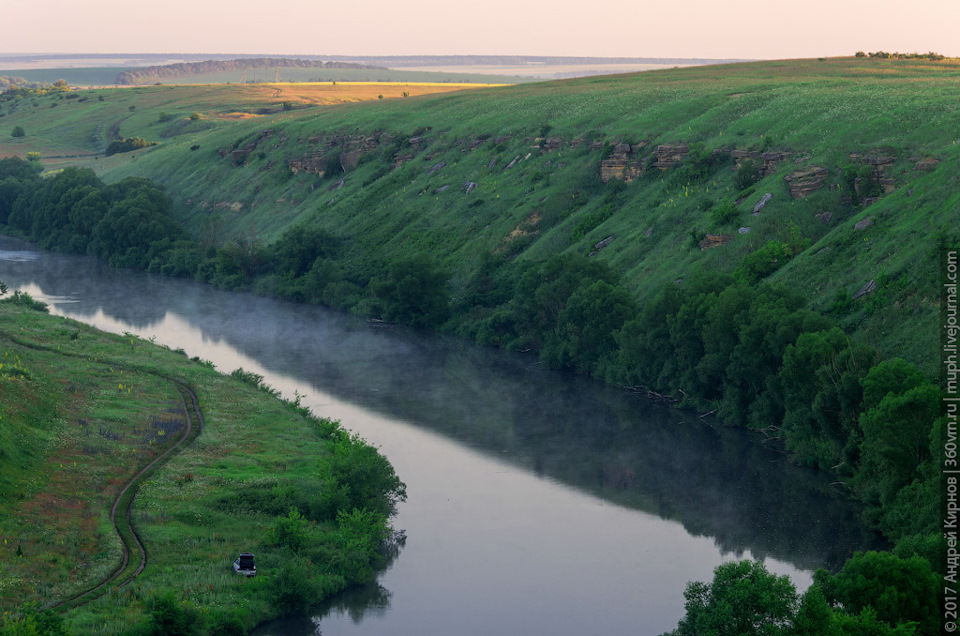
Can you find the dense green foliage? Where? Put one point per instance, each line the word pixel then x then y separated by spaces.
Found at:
pixel 128 145
pixel 875 593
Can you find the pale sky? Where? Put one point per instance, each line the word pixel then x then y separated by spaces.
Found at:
pixel 767 29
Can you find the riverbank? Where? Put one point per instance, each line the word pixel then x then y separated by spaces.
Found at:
pixel 81 409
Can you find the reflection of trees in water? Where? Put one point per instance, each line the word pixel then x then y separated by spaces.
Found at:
pixel 716 482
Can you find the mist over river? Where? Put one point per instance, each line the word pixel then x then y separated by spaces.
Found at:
pixel 538 502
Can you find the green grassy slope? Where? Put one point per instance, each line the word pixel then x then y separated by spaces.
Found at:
pixel 82 411
pixel 551 200
pixel 821 112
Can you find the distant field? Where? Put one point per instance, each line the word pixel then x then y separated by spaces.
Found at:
pixel 543 71
pixel 106 76
pixel 76 131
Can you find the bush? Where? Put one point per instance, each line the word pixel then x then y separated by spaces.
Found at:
pixel 195 116
pixel 747 174
pixel 724 213
pixel 127 145
pixel 26 300
pixel 168 616
pixel 18 131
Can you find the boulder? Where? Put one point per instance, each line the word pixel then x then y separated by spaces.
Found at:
pixel 864 224
pixel 824 217
pixel 743 230
pixel 436 167
pixel 469 187
pixel 866 289
pixel 927 164
pixel 602 244
pixel 762 203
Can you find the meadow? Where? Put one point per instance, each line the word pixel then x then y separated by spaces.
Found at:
pixel 82 411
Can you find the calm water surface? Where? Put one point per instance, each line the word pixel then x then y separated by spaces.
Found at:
pixel 539 502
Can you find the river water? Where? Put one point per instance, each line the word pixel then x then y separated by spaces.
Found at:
pixel 538 502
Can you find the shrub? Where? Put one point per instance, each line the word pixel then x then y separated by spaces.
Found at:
pixel 18 131
pixel 724 213
pixel 26 300
pixel 195 116
pixel 169 616
pixel 747 174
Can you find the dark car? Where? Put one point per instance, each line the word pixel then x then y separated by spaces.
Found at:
pixel 245 565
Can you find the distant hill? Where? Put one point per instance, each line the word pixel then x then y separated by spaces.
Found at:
pixel 151 74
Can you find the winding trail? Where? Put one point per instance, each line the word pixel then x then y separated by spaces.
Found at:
pixel 124 500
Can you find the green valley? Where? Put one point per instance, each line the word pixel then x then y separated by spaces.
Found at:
pixel 759 241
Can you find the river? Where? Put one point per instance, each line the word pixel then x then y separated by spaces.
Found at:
pixel 539 502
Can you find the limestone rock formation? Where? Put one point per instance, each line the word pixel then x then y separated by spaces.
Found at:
pixel 622 163
pixel 803 183
pixel 714 240
pixel 669 155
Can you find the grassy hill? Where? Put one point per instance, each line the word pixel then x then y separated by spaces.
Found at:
pixel 82 411
pixel 535 153
pixel 551 199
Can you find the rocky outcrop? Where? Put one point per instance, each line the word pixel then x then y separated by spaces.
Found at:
pixel 769 161
pixel 314 164
pixel 877 163
pixel 714 240
pixel 766 161
pixel 551 143
pixel 926 165
pixel 803 183
pixel 669 155
pixel 622 163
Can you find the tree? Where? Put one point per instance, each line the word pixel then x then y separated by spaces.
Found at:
pixel 415 293
pixel 586 327
pixel 18 131
pixel 898 590
pixel 744 599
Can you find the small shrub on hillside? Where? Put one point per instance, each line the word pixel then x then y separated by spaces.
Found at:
pixel 747 174
pixel 289 531
pixel 168 616
pixel 724 213
pixel 127 145
pixel 18 131
pixel 26 300
pixel 764 261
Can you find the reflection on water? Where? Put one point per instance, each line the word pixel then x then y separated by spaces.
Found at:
pixel 520 479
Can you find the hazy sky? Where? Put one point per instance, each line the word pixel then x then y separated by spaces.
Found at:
pixel 638 28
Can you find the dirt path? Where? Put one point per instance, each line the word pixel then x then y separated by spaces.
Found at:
pixel 124 502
